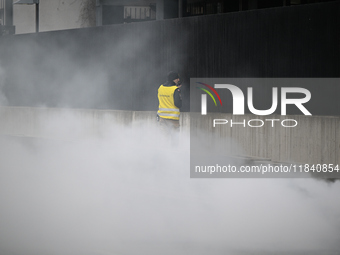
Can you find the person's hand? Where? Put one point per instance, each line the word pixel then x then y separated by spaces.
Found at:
pixel 178 83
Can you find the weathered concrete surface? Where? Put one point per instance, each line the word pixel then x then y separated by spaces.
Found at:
pixel 315 140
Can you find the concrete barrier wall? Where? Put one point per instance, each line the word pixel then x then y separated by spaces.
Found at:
pixel 314 140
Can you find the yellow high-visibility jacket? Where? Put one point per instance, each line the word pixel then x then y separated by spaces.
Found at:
pixel 167 108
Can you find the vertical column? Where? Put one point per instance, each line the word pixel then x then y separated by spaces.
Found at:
pixel 160 9
pixel 180 8
pixel 37 17
pixel 8 13
pixel 99 13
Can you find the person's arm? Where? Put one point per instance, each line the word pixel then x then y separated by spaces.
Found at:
pixel 178 98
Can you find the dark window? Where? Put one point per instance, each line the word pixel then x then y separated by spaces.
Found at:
pixel 113 14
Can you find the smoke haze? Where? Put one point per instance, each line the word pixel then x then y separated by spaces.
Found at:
pixel 116 68
pixel 123 193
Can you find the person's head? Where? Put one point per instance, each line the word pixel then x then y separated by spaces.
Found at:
pixel 173 77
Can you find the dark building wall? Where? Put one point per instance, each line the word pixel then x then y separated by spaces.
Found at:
pixel 121 66
pixel 113 15
pixel 170 9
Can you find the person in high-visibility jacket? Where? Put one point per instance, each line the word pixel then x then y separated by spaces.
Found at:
pixel 170 102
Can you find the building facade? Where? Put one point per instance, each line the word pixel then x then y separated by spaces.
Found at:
pixel 29 16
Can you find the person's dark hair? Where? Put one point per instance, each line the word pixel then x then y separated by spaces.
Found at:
pixel 172 76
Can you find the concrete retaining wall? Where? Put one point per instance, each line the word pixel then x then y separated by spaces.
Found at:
pixel 314 140
pixel 66 123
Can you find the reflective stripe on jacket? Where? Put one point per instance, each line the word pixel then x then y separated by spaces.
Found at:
pixel 167 108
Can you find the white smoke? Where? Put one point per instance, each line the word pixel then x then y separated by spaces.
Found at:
pixel 128 192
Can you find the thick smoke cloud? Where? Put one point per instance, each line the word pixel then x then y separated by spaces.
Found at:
pixel 123 193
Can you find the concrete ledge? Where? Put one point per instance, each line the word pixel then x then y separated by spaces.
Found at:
pixel 316 139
